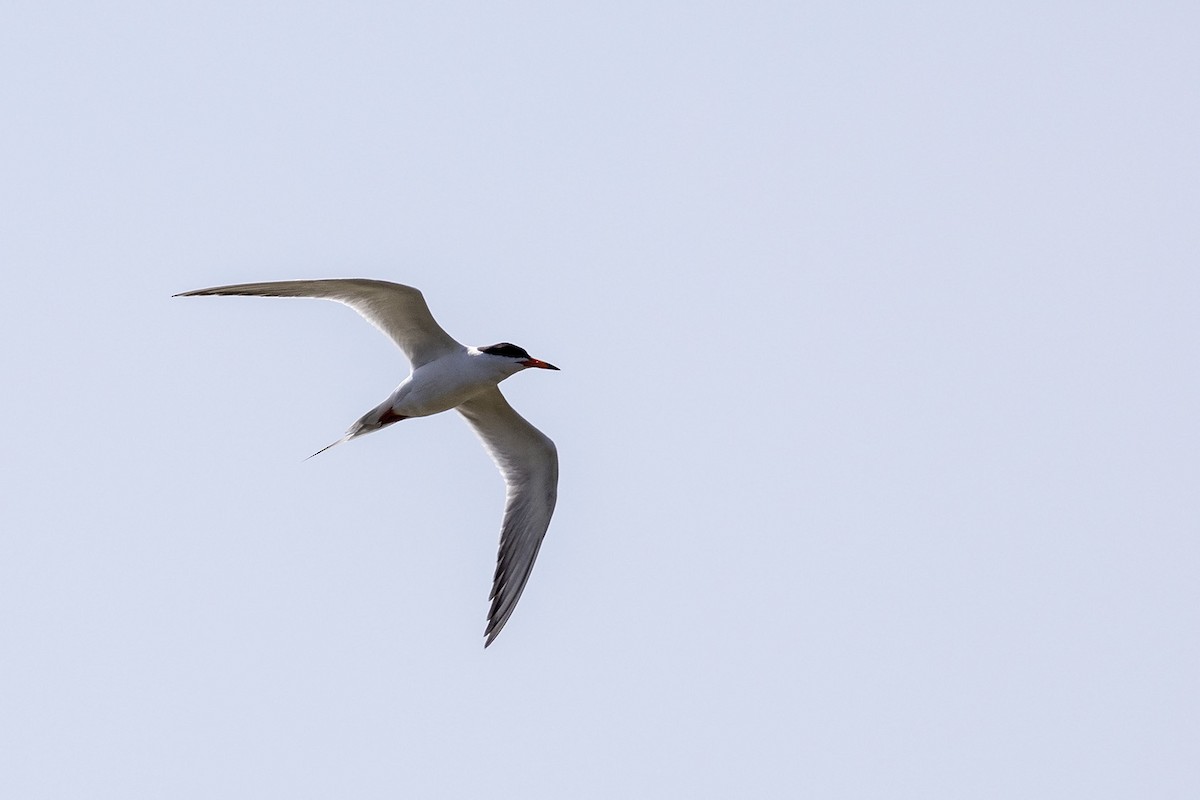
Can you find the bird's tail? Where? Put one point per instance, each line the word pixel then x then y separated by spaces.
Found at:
pixel 345 438
pixel 375 419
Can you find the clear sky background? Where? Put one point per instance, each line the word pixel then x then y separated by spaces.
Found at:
pixel 878 411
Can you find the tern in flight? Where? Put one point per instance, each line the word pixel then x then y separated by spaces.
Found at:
pixel 446 375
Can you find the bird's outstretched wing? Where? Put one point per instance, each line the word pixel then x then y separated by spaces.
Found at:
pixel 397 310
pixel 529 462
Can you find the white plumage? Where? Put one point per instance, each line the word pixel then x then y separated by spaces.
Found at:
pixel 446 374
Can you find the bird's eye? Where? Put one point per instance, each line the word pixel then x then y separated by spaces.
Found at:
pixel 507 350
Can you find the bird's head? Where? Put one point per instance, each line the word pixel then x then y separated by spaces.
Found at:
pixel 518 357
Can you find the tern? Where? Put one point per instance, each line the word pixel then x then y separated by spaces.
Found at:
pixel 446 375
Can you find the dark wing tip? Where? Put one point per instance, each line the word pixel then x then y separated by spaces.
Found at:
pixel 495 624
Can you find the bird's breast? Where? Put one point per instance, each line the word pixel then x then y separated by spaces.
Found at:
pixel 434 388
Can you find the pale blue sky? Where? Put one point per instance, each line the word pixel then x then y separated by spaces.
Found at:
pixel 877 413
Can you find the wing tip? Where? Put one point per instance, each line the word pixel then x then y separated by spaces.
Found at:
pixel 198 292
pixel 493 629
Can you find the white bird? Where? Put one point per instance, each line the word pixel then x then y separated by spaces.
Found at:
pixel 446 375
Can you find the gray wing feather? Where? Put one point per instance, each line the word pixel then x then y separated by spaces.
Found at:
pixel 397 310
pixel 529 462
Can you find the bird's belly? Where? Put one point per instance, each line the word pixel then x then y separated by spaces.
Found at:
pixel 421 398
